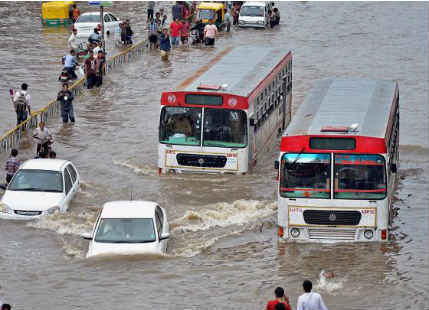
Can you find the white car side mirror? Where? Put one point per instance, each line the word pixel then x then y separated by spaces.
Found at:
pixel 164 236
pixel 86 236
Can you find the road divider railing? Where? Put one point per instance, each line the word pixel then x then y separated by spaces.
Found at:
pixel 12 138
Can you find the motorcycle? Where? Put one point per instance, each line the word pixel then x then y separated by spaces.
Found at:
pixel 196 37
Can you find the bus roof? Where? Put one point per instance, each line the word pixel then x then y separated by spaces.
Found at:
pixel 338 103
pixel 242 70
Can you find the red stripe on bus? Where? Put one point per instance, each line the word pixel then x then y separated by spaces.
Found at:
pixel 286 189
pixel 364 145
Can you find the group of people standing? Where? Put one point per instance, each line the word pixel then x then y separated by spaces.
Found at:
pixel 307 301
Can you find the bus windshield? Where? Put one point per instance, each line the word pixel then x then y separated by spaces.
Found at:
pixel 252 11
pixel 305 175
pixel 359 177
pixel 225 128
pixel 180 126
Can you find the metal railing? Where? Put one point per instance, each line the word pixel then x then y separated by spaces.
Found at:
pixel 12 138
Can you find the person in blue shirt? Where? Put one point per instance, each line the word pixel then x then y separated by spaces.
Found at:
pixel 164 43
pixel 70 64
pixel 94 37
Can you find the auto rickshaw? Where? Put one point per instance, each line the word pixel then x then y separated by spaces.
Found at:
pixel 55 13
pixel 212 11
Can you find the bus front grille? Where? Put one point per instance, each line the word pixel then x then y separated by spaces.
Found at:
pixel 331 217
pixel 200 160
pixel 331 234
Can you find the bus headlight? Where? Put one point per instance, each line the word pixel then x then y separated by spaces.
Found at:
pixel 294 232
pixel 368 234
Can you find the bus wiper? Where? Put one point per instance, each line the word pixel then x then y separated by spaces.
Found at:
pixel 292 166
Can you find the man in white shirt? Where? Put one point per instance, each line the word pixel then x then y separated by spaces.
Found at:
pixel 21 101
pixel 43 138
pixel 73 44
pixel 310 300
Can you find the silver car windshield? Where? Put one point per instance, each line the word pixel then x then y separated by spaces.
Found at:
pixel 125 230
pixel 37 181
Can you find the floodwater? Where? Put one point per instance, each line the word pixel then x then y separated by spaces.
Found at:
pixel 224 252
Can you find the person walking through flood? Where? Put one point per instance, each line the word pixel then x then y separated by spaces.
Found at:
pixel 281 298
pixel 164 44
pixel 72 41
pixel 43 138
pixel 12 165
pixel 175 28
pixel 21 101
pixel 65 97
pixel 150 8
pixel 310 300
pixel 75 13
pixel 153 33
pixel 210 31
pixel 90 70
pixel 184 32
pixel 99 69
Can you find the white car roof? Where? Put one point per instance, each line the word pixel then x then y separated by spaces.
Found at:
pixel 44 164
pixel 250 3
pixel 95 13
pixel 129 209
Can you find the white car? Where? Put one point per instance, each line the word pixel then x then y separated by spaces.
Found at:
pixel 40 187
pixel 254 14
pixel 129 228
pixel 86 23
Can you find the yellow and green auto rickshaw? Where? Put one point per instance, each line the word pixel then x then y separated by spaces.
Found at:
pixel 212 11
pixel 55 13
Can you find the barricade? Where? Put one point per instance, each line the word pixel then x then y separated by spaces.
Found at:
pixel 12 138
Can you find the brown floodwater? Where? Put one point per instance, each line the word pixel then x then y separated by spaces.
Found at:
pixel 224 252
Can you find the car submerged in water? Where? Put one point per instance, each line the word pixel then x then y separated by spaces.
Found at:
pixel 129 228
pixel 40 187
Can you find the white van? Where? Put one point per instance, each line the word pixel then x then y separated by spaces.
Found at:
pixel 254 14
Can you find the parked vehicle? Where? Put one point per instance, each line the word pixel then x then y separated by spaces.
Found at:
pixel 40 187
pixel 254 14
pixel 129 227
pixel 86 23
pixel 55 13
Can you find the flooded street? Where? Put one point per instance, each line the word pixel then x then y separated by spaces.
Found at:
pixel 223 252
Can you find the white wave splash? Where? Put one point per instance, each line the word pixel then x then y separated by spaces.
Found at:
pixel 137 169
pixel 328 282
pixel 224 214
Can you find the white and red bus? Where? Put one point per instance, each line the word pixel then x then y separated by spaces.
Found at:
pixel 338 163
pixel 220 119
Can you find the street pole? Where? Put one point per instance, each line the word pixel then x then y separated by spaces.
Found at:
pixel 102 29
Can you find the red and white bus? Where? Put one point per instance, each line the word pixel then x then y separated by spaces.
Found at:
pixel 338 163
pixel 220 119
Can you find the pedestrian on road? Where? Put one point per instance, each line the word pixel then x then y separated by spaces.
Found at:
pixel 310 300
pixel 281 298
pixel 65 97
pixel 184 32
pixel 21 102
pixel 73 44
pixel 175 28
pixel 150 8
pixel 75 13
pixel 210 31
pixel 164 44
pixel 90 71
pixel 12 165
pixel 99 69
pixel 43 138
pixel 128 32
pixel 94 37
pixel 153 33
pixel 227 20
pixel 70 64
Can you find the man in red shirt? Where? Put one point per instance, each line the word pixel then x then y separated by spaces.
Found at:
pixel 175 28
pixel 90 70
pixel 280 298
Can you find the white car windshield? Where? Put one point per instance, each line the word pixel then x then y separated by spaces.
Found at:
pixel 37 181
pixel 125 230
pixel 90 18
